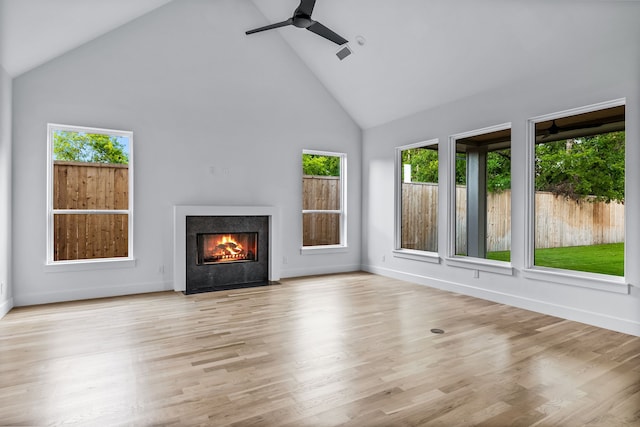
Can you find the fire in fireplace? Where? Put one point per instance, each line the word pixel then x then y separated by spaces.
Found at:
pixel 216 248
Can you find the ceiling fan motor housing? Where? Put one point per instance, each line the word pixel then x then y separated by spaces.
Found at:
pixel 302 21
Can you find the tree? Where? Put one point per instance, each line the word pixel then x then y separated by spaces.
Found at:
pixel 88 148
pixel 499 171
pixel 590 167
pixel 424 164
pixel 313 164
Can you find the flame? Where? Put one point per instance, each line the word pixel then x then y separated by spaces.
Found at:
pixel 224 248
pixel 228 246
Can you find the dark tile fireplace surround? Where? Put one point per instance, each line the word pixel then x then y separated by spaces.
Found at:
pixel 226 252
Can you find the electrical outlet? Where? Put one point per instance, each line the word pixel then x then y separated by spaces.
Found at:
pixel 384 258
pixel 476 274
pixel 161 269
pixel 285 260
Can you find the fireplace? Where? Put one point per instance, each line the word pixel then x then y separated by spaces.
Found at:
pixel 270 243
pixel 226 252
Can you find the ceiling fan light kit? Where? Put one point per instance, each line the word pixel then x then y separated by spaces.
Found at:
pixel 302 19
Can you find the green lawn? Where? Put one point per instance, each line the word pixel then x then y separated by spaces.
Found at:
pixel 604 259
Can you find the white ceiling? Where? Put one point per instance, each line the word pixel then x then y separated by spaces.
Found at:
pixel 418 53
pixel 33 32
pixel 423 53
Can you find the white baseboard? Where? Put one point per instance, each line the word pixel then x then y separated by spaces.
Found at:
pixel 6 307
pixel 626 326
pixel 314 271
pixel 90 293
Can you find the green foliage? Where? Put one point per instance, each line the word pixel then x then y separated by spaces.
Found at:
pixel 424 164
pixel 461 169
pixel 578 168
pixel 88 147
pixel 313 164
pixel 499 171
pixel 586 167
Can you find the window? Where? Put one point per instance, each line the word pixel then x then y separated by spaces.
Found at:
pixel 482 172
pixel 323 199
pixel 90 195
pixel 578 182
pixel 417 197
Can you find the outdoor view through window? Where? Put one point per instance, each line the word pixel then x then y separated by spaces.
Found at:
pixel 419 197
pixel 322 198
pixel 579 175
pixel 483 195
pixel 89 193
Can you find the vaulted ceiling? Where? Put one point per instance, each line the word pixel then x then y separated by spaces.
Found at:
pixel 412 55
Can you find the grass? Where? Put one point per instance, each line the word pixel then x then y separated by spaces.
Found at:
pixel 603 259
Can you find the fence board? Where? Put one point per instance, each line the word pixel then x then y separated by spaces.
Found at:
pixel 419 228
pixel 561 222
pixel 79 185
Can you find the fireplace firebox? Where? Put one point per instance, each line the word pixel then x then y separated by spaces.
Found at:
pixel 226 247
pixel 226 252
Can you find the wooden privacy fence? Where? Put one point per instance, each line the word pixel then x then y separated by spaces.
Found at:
pixel 420 216
pixel 559 222
pixel 320 192
pixel 80 185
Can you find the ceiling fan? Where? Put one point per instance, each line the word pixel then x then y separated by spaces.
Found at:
pixel 302 19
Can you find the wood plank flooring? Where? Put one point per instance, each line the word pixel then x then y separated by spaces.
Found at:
pixel 350 349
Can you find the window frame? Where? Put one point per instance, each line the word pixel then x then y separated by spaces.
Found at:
pixel 84 264
pixel 398 250
pixel 468 262
pixel 342 246
pixel 583 279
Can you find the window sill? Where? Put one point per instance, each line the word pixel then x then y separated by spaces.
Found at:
pixel 488 266
pixel 89 265
pixel 601 282
pixel 414 255
pixel 319 250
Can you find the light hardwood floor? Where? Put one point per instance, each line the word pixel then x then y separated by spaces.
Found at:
pixel 352 349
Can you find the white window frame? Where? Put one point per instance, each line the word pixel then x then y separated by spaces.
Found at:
pixel 342 246
pixel 84 264
pixel 399 251
pixel 466 262
pixel 603 282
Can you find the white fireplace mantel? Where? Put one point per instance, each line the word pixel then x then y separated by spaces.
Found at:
pixel 180 214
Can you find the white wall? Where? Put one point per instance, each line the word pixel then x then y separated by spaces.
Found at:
pixel 198 94
pixel 6 301
pixel 612 71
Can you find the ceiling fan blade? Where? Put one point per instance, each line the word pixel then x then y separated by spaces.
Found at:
pixel 323 31
pixel 271 27
pixel 306 7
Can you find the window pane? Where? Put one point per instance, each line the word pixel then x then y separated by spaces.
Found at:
pixel 320 229
pixel 90 171
pixel 87 236
pixel 483 195
pixel 579 198
pixel 322 183
pixel 419 209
